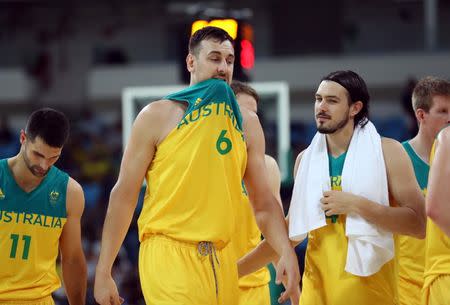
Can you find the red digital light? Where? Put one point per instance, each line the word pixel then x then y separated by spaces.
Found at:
pixel 247 54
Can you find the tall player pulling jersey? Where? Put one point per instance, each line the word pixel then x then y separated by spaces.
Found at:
pixel 195 177
pixel 188 208
pixel 194 182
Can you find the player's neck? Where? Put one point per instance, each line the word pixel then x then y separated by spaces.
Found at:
pixel 338 142
pixel 422 144
pixel 22 175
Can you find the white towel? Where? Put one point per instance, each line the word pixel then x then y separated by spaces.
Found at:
pixel 364 174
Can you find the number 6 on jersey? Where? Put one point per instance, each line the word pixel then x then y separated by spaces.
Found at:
pixel 223 144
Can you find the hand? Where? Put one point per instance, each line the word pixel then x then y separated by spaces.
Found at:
pixel 295 297
pixel 105 290
pixel 338 202
pixel 288 272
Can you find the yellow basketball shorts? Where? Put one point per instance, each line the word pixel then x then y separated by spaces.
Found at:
pixel 42 301
pixel 259 295
pixel 438 292
pixel 179 273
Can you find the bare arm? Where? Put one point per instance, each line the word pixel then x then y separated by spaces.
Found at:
pixel 274 177
pixel 137 157
pixel 268 215
pixel 74 270
pixel 438 193
pixel 407 218
pixel 263 253
pixel 265 205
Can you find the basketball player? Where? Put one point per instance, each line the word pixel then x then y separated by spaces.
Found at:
pixel 190 147
pixel 341 105
pixel 253 288
pixel 437 253
pixel 40 211
pixel 431 104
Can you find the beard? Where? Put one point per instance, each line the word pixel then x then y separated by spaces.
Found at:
pixel 335 127
pixel 36 170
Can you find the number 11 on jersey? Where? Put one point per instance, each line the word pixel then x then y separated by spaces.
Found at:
pixel 15 241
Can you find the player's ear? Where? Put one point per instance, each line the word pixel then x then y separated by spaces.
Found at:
pixel 190 59
pixel 356 108
pixel 420 114
pixel 23 136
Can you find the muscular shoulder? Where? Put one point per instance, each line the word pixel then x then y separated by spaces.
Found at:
pixel 157 119
pixel 395 156
pixel 390 146
pixel 160 110
pixel 444 135
pixel 253 133
pixel 297 162
pixel 443 142
pixel 250 121
pixel 73 188
pixel 248 115
pixel 75 198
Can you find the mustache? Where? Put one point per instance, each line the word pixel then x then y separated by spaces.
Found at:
pixel 323 115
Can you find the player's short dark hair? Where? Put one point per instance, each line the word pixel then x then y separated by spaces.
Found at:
pixel 208 32
pixel 243 88
pixel 357 91
pixel 51 125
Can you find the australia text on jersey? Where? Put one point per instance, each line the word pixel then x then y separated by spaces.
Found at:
pixel 206 110
pixel 31 219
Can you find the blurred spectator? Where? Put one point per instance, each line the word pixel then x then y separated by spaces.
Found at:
pixel 40 65
pixel 110 56
pixel 6 134
pixel 90 123
pixel 9 141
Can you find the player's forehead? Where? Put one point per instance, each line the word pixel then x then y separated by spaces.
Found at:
pixel 214 46
pixel 440 101
pixel 39 144
pixel 331 89
pixel 40 148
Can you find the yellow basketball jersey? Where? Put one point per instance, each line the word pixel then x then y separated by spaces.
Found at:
pixel 246 238
pixel 30 227
pixel 411 251
pixel 437 253
pixel 195 179
pixel 325 280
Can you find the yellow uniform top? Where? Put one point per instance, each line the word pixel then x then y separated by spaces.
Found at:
pixel 437 252
pixel 246 238
pixel 411 251
pixel 30 227
pixel 195 179
pixel 325 280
